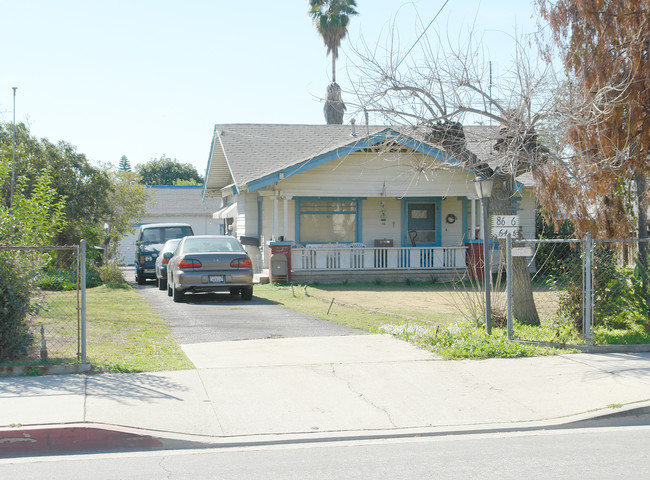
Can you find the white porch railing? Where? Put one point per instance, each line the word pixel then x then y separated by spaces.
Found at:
pixel 378 258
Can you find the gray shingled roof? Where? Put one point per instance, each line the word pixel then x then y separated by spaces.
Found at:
pixel 255 150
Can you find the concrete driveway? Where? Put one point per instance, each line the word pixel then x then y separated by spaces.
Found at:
pixel 217 317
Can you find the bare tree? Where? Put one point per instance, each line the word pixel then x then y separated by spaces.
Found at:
pixel 442 87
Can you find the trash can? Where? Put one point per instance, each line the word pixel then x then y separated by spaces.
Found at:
pixel 279 271
pixel 285 249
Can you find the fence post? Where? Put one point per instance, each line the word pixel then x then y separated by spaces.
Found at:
pixel 588 313
pixel 82 288
pixel 509 285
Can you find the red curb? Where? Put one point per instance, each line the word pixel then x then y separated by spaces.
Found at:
pixel 73 439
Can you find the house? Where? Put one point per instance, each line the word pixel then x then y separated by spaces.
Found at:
pixel 172 203
pixel 350 202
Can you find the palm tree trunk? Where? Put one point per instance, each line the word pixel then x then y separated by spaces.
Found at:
pixel 333 68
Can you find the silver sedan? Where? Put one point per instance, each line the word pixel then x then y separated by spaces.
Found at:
pixel 209 263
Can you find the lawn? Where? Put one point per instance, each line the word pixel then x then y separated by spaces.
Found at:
pixel 426 303
pixel 123 332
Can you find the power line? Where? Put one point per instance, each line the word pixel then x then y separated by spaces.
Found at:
pixel 422 34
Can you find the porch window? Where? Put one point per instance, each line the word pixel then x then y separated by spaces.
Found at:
pixel 328 221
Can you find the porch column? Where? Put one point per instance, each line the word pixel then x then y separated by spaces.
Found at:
pixel 482 226
pixel 473 224
pixel 275 219
pixel 285 218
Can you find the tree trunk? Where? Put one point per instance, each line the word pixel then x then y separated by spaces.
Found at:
pixel 333 68
pixel 523 302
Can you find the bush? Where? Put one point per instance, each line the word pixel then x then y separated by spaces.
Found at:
pixel 16 306
pixel 111 275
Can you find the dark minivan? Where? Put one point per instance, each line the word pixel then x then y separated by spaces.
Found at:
pixel 149 241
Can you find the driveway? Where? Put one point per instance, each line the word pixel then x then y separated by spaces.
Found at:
pixel 218 317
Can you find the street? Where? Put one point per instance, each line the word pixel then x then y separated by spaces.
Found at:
pixel 617 452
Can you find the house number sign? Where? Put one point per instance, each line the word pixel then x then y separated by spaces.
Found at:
pixel 504 225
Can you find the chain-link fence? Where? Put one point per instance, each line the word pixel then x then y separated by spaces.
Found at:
pixel 44 303
pixel 583 290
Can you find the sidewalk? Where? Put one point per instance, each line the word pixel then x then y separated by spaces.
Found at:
pixel 254 391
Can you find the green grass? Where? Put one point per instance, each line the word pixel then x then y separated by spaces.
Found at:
pixel 123 333
pixel 467 340
pixel 631 335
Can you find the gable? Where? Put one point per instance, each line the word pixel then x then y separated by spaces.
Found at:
pixel 251 156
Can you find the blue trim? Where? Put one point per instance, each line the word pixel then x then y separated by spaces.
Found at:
pixel 437 202
pixel 345 150
pixel 358 200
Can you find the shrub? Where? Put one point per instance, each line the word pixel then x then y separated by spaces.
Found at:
pixel 15 309
pixel 111 275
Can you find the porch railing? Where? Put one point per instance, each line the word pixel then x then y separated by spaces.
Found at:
pixel 377 258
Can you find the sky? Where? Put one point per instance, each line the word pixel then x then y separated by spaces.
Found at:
pixel 146 78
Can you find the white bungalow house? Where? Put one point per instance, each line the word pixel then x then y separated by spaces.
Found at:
pixel 349 202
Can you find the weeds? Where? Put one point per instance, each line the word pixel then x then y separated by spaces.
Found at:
pixel 465 340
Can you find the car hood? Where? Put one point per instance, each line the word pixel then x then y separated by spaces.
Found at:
pixel 150 248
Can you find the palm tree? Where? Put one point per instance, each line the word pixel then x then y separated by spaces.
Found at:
pixel 331 18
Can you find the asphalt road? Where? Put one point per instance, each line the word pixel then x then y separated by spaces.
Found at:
pixel 215 317
pixel 572 454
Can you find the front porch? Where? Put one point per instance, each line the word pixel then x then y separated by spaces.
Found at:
pixel 357 263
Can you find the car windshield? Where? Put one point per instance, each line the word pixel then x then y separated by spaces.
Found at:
pixel 198 245
pixel 162 234
pixel 171 245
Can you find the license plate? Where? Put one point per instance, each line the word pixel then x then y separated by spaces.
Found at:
pixel 149 270
pixel 216 278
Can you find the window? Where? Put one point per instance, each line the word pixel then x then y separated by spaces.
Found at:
pixel 328 221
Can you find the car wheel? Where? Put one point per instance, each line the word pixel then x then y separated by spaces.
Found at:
pixel 162 283
pixel 247 293
pixel 139 277
pixel 178 295
pixel 169 289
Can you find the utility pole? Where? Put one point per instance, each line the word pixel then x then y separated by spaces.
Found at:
pixel 13 157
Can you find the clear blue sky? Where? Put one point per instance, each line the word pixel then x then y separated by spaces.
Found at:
pixel 144 78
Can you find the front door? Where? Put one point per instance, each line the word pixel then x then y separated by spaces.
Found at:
pixel 421 224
